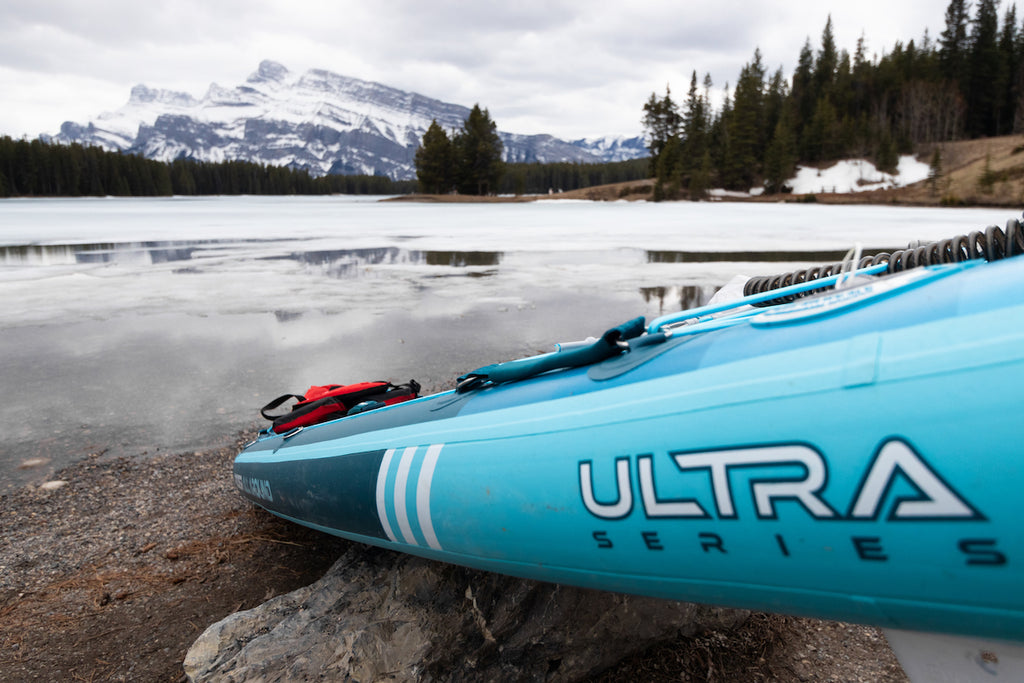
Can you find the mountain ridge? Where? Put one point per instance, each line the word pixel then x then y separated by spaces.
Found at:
pixel 319 121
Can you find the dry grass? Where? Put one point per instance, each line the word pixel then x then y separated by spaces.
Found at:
pixel 459 199
pixel 630 191
pixel 975 172
pixel 986 172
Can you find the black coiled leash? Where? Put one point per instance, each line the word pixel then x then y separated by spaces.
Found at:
pixel 992 244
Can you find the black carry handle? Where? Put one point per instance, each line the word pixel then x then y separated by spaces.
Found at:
pixel 276 403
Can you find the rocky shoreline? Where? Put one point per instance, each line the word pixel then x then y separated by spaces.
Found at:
pixel 116 573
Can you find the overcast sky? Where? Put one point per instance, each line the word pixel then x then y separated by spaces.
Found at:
pixel 572 68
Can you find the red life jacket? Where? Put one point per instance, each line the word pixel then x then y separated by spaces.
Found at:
pixel 329 402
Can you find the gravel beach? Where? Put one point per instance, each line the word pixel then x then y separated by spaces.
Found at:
pixel 114 573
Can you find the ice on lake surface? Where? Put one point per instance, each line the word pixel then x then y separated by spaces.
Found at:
pixel 134 325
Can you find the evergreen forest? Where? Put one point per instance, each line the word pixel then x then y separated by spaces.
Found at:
pixel 966 83
pixel 39 169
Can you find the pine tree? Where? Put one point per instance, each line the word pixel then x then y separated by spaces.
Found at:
pixel 745 126
pixel 775 100
pixel 804 93
pixel 828 60
pixel 661 121
pixel 953 43
pixel 694 129
pixel 935 172
pixel 887 157
pixel 780 157
pixel 983 68
pixel 860 56
pixel 842 84
pixel 721 141
pixel 700 181
pixel 478 151
pixel 1010 66
pixel 434 161
pixel 670 169
pixel 986 183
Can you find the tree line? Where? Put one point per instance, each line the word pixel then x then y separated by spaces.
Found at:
pixel 538 178
pixel 40 169
pixel 840 105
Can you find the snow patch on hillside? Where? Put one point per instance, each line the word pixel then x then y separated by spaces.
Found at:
pixel 857 175
pixel 849 175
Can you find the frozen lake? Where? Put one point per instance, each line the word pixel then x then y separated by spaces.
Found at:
pixel 145 325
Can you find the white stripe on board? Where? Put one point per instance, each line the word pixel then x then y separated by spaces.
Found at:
pixel 423 495
pixel 401 481
pixel 382 511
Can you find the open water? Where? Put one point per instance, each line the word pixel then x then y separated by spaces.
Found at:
pixel 133 326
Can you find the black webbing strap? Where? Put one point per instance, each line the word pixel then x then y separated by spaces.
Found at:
pixel 611 343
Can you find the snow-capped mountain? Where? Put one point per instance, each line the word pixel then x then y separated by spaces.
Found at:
pixel 319 121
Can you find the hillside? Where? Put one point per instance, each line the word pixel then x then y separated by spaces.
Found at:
pixel 982 172
pixel 963 180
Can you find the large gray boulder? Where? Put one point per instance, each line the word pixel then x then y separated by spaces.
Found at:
pixel 383 616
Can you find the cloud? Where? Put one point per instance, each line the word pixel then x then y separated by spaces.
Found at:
pixel 568 67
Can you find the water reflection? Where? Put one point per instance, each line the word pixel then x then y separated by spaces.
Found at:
pixel 750 256
pixel 339 263
pixel 348 263
pixel 345 263
pixel 461 259
pixel 366 257
pixel 684 297
pixel 287 316
pixel 98 253
pixel 170 251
